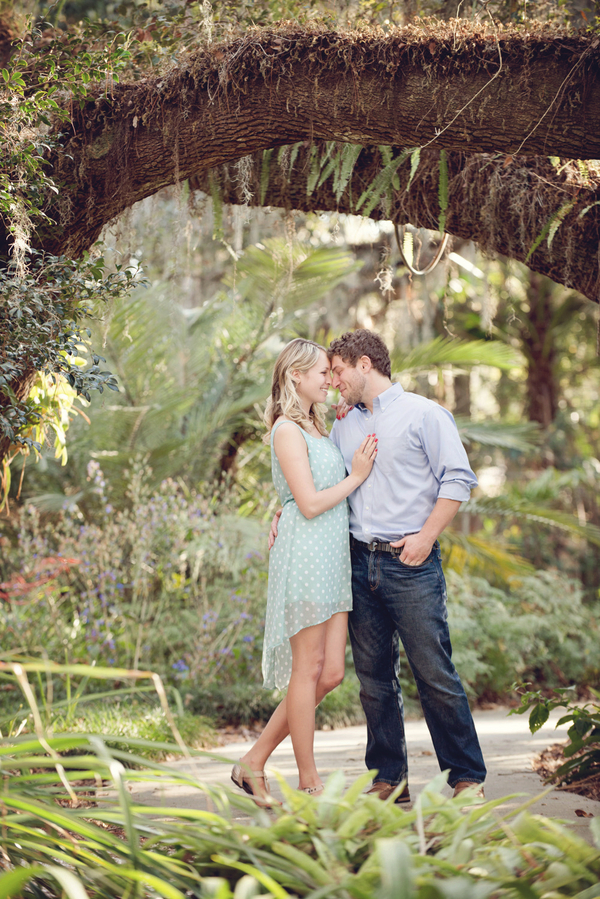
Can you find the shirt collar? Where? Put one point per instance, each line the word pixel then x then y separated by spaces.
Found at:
pixel 385 399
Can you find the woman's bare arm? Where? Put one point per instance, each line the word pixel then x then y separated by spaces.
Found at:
pixel 292 453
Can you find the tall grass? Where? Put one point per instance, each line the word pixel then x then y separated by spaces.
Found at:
pixel 59 838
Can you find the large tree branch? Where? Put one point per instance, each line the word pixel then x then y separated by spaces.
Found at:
pixel 535 92
pixel 503 205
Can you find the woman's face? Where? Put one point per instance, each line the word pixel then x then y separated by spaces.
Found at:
pixel 314 384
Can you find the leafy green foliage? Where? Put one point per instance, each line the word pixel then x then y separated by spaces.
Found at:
pixel 344 844
pixel 538 629
pixel 521 507
pixel 42 315
pixel 163 581
pixel 43 298
pixel 382 183
pixel 551 227
pixel 582 753
pixel 448 351
pixel 137 720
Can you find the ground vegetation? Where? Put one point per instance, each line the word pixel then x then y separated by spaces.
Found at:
pixel 73 828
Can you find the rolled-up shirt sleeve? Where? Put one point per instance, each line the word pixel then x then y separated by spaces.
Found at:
pixel 447 456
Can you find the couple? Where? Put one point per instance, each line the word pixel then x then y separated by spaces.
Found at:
pixel 409 474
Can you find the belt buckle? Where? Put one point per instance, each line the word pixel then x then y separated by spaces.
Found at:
pixel 372 546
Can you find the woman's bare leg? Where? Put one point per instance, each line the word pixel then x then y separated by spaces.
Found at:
pixel 332 673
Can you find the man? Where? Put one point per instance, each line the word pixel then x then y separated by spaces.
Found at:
pixel 417 484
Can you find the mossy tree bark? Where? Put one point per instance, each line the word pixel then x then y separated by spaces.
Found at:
pixel 520 95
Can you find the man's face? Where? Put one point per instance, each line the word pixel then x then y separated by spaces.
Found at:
pixel 348 379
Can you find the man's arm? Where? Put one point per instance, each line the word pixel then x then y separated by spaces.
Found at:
pixel 450 465
pixel 416 547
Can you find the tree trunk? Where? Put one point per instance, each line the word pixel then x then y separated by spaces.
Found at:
pixel 542 387
pixel 451 84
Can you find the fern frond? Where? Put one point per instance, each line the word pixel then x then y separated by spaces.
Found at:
pixel 558 220
pixel 557 217
pixel 314 170
pixel 479 553
pixel 381 184
pixel 347 158
pixel 512 507
pixel 293 156
pixel 443 191
pixel 217 202
pixel 415 158
pixel 265 172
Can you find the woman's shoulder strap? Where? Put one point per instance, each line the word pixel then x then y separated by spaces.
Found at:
pixel 286 421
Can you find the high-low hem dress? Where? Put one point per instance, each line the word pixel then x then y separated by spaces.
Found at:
pixel 309 565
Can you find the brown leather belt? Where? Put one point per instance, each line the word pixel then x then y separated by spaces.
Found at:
pixel 375 545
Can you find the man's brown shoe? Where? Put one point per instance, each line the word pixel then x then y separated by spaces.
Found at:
pixel 385 790
pixel 464 785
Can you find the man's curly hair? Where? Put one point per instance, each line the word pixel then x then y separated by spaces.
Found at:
pixel 354 344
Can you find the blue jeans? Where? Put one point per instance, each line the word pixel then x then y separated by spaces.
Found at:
pixel 390 601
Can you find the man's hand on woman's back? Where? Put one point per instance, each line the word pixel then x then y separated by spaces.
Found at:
pixel 274 525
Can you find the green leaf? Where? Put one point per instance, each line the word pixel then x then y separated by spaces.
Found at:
pixel 549 227
pixel 12 882
pixel 558 220
pixel 538 717
pixel 415 158
pixel 265 171
pixel 347 160
pixel 380 185
pixel 397 877
pixel 450 351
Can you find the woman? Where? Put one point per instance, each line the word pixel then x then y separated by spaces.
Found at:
pixel 309 593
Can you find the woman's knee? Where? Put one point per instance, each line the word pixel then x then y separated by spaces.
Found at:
pixel 309 667
pixel 330 679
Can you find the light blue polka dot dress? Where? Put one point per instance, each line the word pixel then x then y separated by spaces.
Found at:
pixel 309 565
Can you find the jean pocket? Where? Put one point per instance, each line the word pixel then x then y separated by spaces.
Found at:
pixel 423 564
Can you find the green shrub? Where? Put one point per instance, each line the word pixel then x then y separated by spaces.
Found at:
pixel 344 844
pixel 582 752
pixel 165 583
pixel 140 721
pixel 60 837
pixel 539 630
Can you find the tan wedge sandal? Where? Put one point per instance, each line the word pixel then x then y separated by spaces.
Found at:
pixel 240 778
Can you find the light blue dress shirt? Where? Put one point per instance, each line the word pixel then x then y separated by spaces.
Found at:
pixel 420 459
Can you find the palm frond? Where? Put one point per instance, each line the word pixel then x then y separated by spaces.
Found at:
pixel 448 351
pixel 479 553
pixel 519 437
pixel 514 507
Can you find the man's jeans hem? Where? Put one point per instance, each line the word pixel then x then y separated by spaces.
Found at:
pixel 465 780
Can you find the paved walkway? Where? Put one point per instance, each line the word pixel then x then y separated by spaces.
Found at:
pixel 507 744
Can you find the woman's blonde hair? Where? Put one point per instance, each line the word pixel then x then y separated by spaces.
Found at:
pixel 299 355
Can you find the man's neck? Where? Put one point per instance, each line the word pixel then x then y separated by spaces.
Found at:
pixel 376 385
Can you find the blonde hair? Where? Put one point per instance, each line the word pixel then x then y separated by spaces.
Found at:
pixel 299 355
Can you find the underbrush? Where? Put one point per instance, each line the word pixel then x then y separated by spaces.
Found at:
pixel 581 755
pixel 139 722
pixel 176 583
pixel 344 844
pixel 71 827
pixel 538 630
